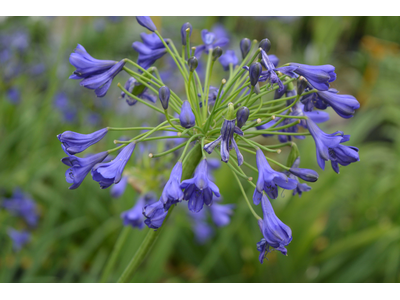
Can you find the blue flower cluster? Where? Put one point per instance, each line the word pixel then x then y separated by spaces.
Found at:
pixel 230 115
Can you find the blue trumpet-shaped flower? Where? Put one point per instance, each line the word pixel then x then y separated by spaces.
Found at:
pixel 343 155
pixel 74 142
pixel 19 238
pixel 87 66
pixel 137 89
pixel 344 105
pixel 80 167
pixel 152 41
pixel 227 141
pixel 210 42
pixel 276 234
pixel 228 58
pixel 147 23
pixel 155 214
pixel 117 190
pixel 301 187
pixel 111 172
pixel 269 180
pixel 150 51
pixel 23 206
pixel 324 143
pixel 101 83
pixel 199 190
pixel 318 76
pixel 172 192
pixel 134 216
pixel 186 116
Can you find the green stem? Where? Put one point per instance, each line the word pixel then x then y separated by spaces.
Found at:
pixel 245 197
pixel 152 235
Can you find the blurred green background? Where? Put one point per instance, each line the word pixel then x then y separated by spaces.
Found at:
pixel 346 229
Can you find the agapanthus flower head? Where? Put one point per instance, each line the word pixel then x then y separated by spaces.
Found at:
pixel 80 167
pixel 245 45
pixel 117 190
pixel 199 190
pixel 172 192
pixel 155 214
pixel 227 140
pixel 227 59
pixel 210 42
pixel 344 105
pixel 269 180
pixel 276 234
pixel 87 66
pixel 111 172
pixel 186 116
pixel 318 76
pixel 101 83
pixel 74 142
pixel 184 33
pixel 19 238
pixel 134 216
pixel 137 89
pixel 164 94
pixel 22 205
pixel 147 23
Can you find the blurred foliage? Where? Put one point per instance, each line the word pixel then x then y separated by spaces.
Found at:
pixel 346 229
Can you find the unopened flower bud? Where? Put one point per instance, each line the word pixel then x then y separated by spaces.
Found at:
pixel 186 116
pixel 184 33
pixel 305 174
pixel 163 94
pixel 265 44
pixel 241 116
pixel 193 63
pixel 255 72
pixel 217 52
pixel 245 45
pixel 301 85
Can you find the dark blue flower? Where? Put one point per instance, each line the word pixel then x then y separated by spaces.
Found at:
pixel 186 116
pixel 228 58
pixel 148 56
pixel 276 234
pixel 324 143
pixel 245 46
pixel 255 70
pixel 199 190
pixel 111 172
pixel 152 41
pixel 269 180
pixel 155 214
pixel 134 216
pixel 137 89
pixel 19 238
pixel 343 155
pixel 344 105
pixel 147 23
pixel 227 141
pixel 80 167
pixel 221 213
pixel 210 42
pixel 318 76
pixel 74 142
pixel 301 187
pixel 87 66
pixel 164 94
pixel 22 205
pixel 305 174
pixel 117 190
pixel 101 83
pixel 172 192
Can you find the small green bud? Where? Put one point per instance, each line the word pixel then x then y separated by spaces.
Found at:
pixel 230 112
pixel 217 52
pixel 193 63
